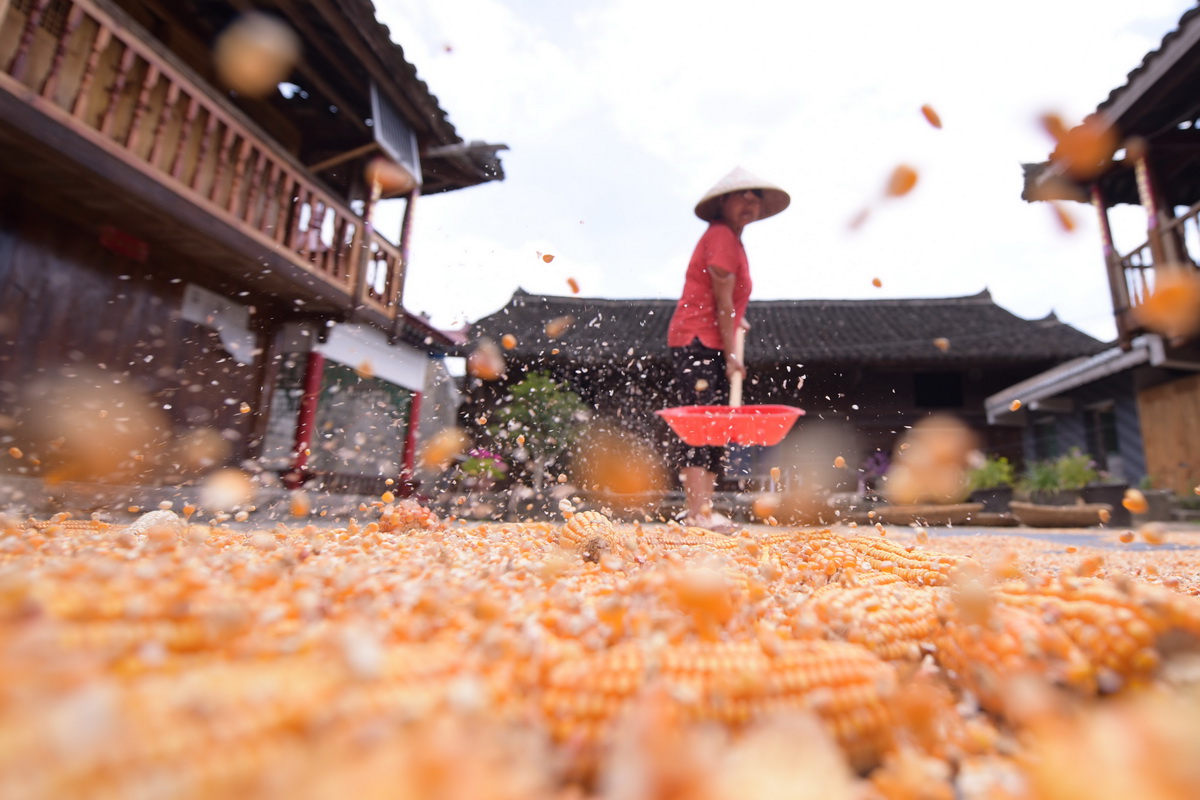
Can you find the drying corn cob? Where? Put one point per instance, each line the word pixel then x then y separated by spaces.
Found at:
pixel 896 622
pixel 591 534
pixel 731 683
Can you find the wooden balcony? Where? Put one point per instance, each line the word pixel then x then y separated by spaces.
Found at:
pixel 85 88
pixel 1133 276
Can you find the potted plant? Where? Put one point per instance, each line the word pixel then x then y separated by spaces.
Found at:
pixel 1040 483
pixel 991 483
pixel 1076 470
pixel 1060 482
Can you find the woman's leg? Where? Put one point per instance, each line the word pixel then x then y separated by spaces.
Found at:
pixel 698 486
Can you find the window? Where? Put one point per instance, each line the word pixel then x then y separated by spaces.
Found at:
pixel 1045 438
pixel 1101 421
pixel 938 390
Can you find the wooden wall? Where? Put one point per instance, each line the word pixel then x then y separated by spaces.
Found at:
pixel 74 314
pixel 1170 414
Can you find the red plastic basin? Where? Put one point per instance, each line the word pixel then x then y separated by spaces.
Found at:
pixel 720 425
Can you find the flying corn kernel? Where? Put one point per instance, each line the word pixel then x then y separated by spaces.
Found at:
pixel 1126 537
pixel 558 326
pixel 1063 217
pixel 942 343
pixel 508 341
pixel 931 116
pixel 486 362
pixel 300 505
pixel 839 462
pixel 1014 405
pixel 15 452
pixel 255 54
pixel 701 385
pixel 440 450
pixel 547 258
pixel 902 181
pixel 1084 151
pixel 365 370
pixel 574 284
pixel 244 408
pixel 775 474
pixel 225 489
pixel 876 282
pixel 388 497
pixel 1173 307
pixel 1135 502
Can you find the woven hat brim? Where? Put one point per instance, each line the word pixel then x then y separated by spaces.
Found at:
pixel 774 200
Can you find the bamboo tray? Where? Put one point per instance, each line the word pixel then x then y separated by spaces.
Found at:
pixel 1082 515
pixel 923 514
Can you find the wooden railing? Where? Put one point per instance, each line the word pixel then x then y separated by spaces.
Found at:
pixel 85 63
pixel 1170 244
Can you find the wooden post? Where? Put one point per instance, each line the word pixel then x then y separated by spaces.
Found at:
pixel 109 116
pixel 1117 286
pixel 83 97
pixel 360 276
pixel 51 80
pixel 397 299
pixel 306 418
pixel 149 81
pixel 20 59
pixel 1163 249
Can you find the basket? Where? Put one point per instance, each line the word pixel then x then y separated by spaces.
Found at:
pixel 700 426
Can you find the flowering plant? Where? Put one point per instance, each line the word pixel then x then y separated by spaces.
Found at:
pixel 481 463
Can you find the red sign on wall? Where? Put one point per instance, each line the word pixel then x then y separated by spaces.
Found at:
pixel 124 244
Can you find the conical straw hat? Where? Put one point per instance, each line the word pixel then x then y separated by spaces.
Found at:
pixel 774 199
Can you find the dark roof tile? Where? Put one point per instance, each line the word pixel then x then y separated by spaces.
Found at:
pixel 897 331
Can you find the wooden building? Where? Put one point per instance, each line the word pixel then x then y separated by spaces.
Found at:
pixel 1140 400
pixel 863 370
pixel 208 250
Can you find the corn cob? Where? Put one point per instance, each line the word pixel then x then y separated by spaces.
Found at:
pixel 984 656
pixel 731 683
pixel 896 622
pixel 1116 630
pixel 590 534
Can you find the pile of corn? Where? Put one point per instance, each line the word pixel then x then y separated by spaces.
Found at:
pixel 411 658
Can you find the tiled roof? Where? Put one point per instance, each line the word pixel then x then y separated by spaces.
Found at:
pixel 1175 46
pixel 900 331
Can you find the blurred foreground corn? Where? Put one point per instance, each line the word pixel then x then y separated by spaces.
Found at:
pixel 404 656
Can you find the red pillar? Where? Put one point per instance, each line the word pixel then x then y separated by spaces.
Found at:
pixel 306 418
pixel 407 480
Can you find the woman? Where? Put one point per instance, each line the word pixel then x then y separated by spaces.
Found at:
pixel 716 291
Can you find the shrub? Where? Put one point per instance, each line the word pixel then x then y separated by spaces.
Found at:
pixel 995 472
pixel 1075 470
pixel 1040 476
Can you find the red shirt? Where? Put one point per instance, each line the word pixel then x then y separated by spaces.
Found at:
pixel 695 315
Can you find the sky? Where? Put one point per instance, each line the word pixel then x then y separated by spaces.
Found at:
pixel 620 114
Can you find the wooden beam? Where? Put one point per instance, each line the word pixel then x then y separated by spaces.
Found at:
pixel 344 157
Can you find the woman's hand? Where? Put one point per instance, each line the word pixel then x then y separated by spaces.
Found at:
pixel 734 365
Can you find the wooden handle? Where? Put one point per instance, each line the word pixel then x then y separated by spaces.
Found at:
pixel 735 383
